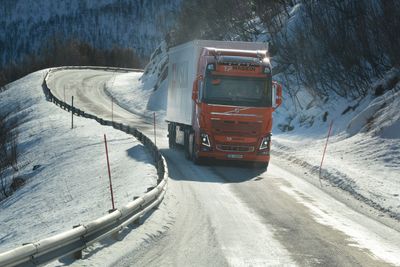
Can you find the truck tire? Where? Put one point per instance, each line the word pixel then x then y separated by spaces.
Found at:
pixel 263 166
pixel 195 158
pixel 171 135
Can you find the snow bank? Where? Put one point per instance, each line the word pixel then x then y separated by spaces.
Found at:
pixel 380 117
pixel 363 155
pixel 65 170
pixel 147 92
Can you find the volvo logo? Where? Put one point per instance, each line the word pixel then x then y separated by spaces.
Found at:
pixel 236 110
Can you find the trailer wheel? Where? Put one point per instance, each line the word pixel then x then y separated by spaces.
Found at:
pixel 171 135
pixel 186 144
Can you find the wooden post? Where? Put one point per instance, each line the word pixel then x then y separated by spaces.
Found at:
pixel 77 255
pixel 109 173
pixel 72 112
pixel 154 122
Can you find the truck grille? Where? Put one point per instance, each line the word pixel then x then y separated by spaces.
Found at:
pixel 233 148
pixel 236 128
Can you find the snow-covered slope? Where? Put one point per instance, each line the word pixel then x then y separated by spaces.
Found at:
pixel 144 93
pixel 363 154
pixel 65 170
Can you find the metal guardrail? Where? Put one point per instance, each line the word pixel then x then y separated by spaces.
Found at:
pixel 96 68
pixel 73 241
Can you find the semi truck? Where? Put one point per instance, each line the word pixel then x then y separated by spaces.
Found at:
pixel 220 100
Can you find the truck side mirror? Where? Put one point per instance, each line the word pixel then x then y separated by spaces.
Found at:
pixel 195 94
pixel 276 95
pixel 196 87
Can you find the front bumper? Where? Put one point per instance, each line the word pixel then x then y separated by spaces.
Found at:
pixel 235 156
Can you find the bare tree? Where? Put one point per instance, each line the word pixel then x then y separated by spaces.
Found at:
pixel 336 46
pixel 8 152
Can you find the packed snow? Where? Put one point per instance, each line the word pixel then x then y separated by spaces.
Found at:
pixel 65 169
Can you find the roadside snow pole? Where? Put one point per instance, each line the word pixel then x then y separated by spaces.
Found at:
pixel 112 109
pixel 154 122
pixel 72 112
pixel 109 173
pixel 323 155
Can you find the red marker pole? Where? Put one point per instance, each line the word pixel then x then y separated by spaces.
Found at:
pixel 323 155
pixel 154 122
pixel 109 173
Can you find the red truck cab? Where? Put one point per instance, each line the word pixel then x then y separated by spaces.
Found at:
pixel 233 99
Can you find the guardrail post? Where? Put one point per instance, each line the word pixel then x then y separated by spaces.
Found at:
pixel 117 235
pixel 77 255
pixel 137 222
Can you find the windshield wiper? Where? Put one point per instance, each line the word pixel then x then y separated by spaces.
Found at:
pixel 220 99
pixel 251 99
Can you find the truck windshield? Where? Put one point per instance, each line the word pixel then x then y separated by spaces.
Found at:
pixel 237 91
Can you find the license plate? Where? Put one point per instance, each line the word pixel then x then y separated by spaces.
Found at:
pixel 234 156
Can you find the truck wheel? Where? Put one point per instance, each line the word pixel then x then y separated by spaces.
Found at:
pixel 195 158
pixel 171 135
pixel 186 144
pixel 263 165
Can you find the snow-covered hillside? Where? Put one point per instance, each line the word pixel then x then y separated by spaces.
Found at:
pixel 363 154
pixel 149 88
pixel 65 171
pixel 30 26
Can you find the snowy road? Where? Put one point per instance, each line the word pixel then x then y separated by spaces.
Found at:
pixel 235 216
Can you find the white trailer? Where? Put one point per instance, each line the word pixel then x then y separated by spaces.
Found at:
pixel 182 69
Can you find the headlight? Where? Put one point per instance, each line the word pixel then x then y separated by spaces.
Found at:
pixel 205 141
pixel 265 142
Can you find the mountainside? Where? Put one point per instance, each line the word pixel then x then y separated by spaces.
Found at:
pixel 27 28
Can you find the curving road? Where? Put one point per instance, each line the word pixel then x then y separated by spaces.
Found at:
pixel 238 216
